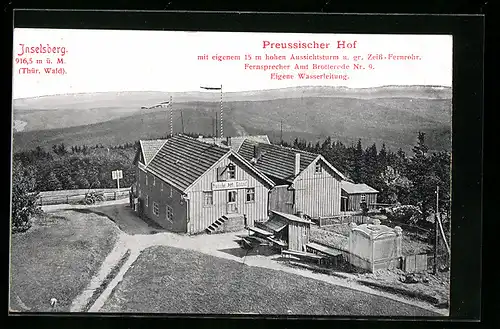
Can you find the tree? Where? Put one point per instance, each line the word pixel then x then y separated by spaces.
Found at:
pixel 423 177
pixel 395 187
pixel 24 197
pixel 51 182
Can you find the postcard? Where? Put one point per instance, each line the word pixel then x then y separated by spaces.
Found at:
pixel 229 173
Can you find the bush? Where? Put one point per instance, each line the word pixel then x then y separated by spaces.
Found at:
pixel 407 214
pixel 24 198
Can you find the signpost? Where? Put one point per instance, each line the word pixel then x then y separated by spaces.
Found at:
pixel 117 174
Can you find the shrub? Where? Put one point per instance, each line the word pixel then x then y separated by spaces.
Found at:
pixel 407 214
pixel 24 198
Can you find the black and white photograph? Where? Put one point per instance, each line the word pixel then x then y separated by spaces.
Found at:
pixel 230 173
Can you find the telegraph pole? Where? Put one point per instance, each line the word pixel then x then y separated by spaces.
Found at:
pixel 281 132
pixel 182 122
pixel 221 122
pixel 436 229
pixel 171 118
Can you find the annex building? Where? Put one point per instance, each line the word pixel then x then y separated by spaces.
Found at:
pixel 305 183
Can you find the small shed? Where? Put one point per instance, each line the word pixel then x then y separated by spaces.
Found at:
pixel 288 229
pixel 353 195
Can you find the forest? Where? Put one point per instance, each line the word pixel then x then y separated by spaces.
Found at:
pixel 400 178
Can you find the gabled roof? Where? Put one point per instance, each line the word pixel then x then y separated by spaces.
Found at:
pixel 279 161
pixel 235 142
pixel 150 147
pixel 182 160
pixel 352 188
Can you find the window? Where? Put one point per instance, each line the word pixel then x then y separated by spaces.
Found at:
pixel 221 174
pixel 250 195
pixel 231 196
pixel 318 168
pixel 170 214
pixel 208 198
pixel 147 201
pixel 146 178
pixel 231 170
pixel 161 186
pixel 156 209
pixel 363 197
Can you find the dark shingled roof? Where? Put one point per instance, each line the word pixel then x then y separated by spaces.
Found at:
pixel 275 160
pixel 183 159
pixel 150 147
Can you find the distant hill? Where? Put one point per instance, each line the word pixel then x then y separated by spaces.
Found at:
pixel 392 120
pixel 62 111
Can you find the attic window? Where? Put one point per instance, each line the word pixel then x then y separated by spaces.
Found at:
pixel 318 168
pixel 231 170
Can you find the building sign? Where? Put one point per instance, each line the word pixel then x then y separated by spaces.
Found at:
pixel 229 185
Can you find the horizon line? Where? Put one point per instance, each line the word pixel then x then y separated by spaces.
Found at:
pixel 229 92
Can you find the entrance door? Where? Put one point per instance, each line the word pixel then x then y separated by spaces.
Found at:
pixel 232 207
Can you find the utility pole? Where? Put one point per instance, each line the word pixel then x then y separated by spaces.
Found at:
pixel 281 132
pixel 436 229
pixel 182 122
pixel 171 119
pixel 221 122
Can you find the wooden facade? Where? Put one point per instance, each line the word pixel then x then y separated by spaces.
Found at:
pixel 317 194
pixel 221 186
pixel 281 198
pixel 352 202
pixel 202 215
pixel 152 190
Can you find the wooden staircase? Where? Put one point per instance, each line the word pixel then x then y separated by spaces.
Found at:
pixel 215 225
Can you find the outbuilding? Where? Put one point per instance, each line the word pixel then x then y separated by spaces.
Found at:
pixel 186 185
pixel 353 195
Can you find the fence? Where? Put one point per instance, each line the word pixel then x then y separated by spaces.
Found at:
pixel 415 263
pixel 344 219
pixel 77 196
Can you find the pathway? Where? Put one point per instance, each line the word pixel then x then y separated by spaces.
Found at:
pixel 211 245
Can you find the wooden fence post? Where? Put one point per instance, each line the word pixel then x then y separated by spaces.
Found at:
pixel 115 195
pixel 67 198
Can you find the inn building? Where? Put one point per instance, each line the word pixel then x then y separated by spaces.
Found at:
pixel 305 183
pixel 190 186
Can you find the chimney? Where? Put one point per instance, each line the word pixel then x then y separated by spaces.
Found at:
pixel 228 141
pixel 297 164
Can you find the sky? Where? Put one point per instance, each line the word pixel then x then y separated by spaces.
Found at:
pixel 111 60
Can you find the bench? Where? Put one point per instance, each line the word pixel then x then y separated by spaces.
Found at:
pixel 259 231
pixel 323 249
pixel 303 255
pixel 278 243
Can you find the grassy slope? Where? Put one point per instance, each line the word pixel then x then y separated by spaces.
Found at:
pixel 57 258
pixel 394 121
pixel 170 280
